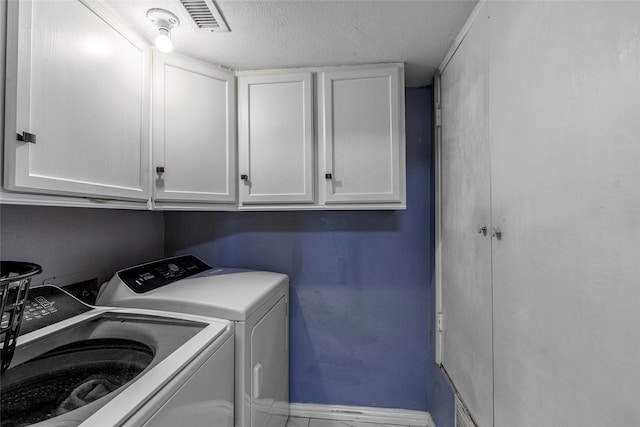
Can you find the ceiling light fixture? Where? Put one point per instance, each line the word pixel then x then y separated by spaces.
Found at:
pixel 165 21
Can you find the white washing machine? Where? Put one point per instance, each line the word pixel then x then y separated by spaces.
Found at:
pixel 257 302
pixel 77 365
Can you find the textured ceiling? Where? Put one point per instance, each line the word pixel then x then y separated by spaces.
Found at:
pixel 282 34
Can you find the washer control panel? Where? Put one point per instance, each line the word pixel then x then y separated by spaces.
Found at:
pixel 38 308
pixel 47 305
pixel 147 277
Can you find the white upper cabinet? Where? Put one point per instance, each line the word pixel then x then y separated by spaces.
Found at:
pixel 194 153
pixel 77 102
pixel 362 136
pixel 84 126
pixel 276 138
pixel 359 162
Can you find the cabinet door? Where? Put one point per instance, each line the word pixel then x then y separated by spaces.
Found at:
pixel 276 138
pixel 362 133
pixel 193 131
pixel 466 287
pixel 77 80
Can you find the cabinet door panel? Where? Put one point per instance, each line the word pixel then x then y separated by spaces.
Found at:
pixel 565 106
pixel 193 130
pixel 78 81
pixel 466 289
pixel 363 136
pixel 276 138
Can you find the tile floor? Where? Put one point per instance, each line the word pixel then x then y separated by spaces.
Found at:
pixel 317 422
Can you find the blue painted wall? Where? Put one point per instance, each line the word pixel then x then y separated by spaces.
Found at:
pixel 79 243
pixel 362 297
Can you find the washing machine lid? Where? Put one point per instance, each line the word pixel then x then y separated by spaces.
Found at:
pixel 225 293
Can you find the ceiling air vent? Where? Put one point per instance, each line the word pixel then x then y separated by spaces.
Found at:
pixel 205 15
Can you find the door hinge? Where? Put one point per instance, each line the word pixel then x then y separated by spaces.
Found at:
pixel 439 322
pixel 438 116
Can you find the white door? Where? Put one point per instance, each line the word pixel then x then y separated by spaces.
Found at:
pixel 276 149
pixel 362 134
pixel 565 107
pixel 194 153
pixel 466 293
pixel 78 97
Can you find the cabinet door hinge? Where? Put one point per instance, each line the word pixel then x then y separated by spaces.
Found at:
pixel 439 322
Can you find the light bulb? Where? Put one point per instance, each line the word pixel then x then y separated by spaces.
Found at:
pixel 165 21
pixel 163 41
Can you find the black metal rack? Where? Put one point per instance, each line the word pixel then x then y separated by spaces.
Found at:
pixel 15 278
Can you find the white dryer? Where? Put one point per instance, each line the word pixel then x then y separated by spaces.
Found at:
pixel 256 301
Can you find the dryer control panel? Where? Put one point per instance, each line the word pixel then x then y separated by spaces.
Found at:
pixel 147 277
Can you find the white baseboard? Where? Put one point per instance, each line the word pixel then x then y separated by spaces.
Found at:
pixel 402 417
